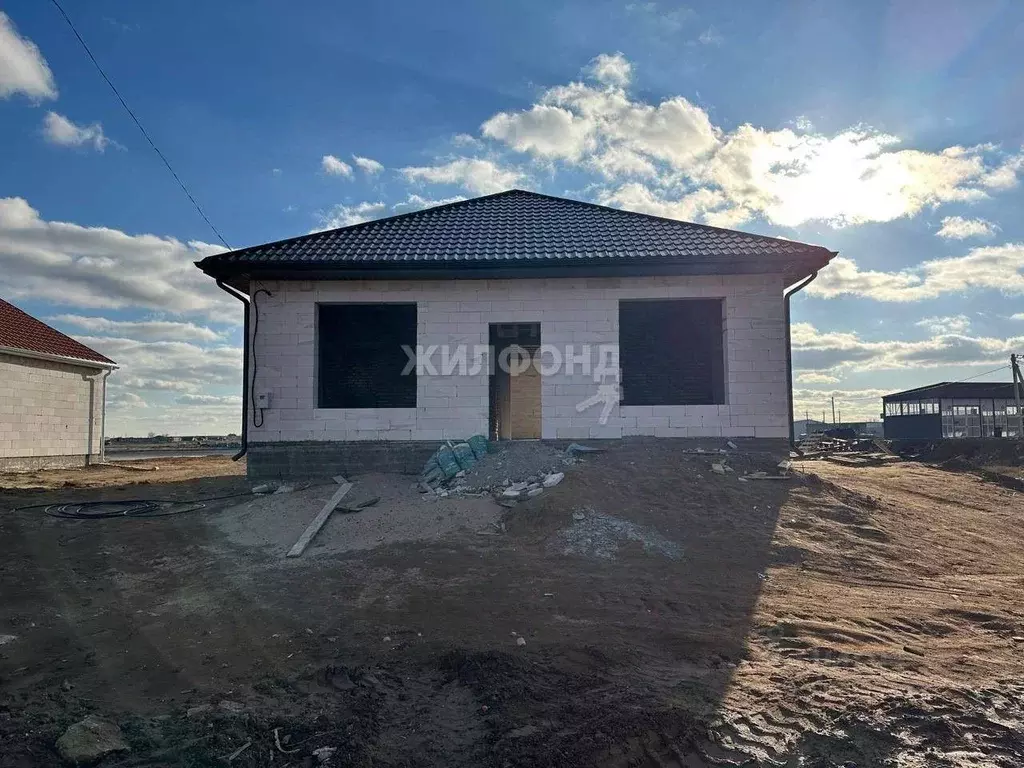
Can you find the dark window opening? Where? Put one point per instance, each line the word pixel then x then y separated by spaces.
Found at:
pixel 671 352
pixel 360 355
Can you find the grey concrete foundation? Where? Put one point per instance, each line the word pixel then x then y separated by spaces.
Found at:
pixel 311 460
pixel 32 463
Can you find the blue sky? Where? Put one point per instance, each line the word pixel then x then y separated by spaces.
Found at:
pixel 889 131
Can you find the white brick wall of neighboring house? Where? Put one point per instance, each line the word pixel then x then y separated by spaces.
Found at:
pixel 570 311
pixel 45 413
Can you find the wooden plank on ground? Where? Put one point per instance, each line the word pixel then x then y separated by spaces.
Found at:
pixel 318 522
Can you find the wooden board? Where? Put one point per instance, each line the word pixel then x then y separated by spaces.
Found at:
pixel 318 522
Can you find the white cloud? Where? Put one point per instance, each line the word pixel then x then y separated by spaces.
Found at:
pixel 957 324
pixel 170 365
pixel 234 400
pixel 710 36
pixel 814 377
pixel 994 267
pixel 691 166
pixel 611 69
pixel 22 67
pixel 57 129
pixel 334 166
pixel 959 228
pixel 851 404
pixel 545 131
pixel 96 267
pixel 347 215
pixel 831 352
pixel 1017 316
pixel 145 330
pixel 417 202
pixel 465 140
pixel 481 177
pixel 367 165
pixel 158 385
pixel 122 399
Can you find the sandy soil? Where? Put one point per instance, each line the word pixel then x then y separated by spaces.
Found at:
pixel 866 617
pixel 112 475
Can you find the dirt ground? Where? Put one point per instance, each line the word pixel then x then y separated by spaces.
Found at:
pixel 150 472
pixel 671 617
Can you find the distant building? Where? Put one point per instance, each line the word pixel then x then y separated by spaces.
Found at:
pixel 952 410
pixel 52 395
pixel 811 426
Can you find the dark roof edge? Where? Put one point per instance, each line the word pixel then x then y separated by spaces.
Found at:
pixel 919 391
pixel 799 266
pixel 622 211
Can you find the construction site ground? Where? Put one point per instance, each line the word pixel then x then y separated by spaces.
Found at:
pixel 647 611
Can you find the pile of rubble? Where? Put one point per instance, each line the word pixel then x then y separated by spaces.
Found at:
pixel 510 472
pixel 858 452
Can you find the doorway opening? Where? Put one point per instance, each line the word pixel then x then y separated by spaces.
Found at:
pixel 515 391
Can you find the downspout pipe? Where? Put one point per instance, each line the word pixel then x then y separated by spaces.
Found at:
pixel 789 357
pixel 245 366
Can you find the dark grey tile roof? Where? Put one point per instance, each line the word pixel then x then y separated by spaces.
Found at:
pixel 510 228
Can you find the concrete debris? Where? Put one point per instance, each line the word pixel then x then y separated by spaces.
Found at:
pixel 238 752
pixel 284 489
pixel 553 479
pixel 264 488
pixel 5 639
pixel 520 641
pixel 731 444
pixel 501 470
pixel 324 754
pixel 576 448
pixel 231 707
pixel 198 710
pixel 90 740
pixel 598 535
pixel 534 492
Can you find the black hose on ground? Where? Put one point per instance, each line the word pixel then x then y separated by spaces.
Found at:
pixel 137 508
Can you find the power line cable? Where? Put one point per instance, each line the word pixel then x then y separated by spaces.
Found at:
pixel 139 124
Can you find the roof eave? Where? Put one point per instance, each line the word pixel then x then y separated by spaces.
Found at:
pixel 79 361
pixel 795 266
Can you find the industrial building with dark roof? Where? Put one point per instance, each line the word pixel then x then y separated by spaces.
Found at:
pixel 373 342
pixel 960 409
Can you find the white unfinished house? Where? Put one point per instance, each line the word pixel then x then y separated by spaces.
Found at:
pixel 52 395
pixel 516 316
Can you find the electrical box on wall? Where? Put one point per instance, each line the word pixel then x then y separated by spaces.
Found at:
pixel 263 400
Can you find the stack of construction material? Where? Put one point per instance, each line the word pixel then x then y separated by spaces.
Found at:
pixel 451 459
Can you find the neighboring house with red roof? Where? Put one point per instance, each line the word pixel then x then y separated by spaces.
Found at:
pixel 369 344
pixel 52 395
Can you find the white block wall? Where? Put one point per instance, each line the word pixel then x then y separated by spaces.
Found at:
pixel 570 311
pixel 44 410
